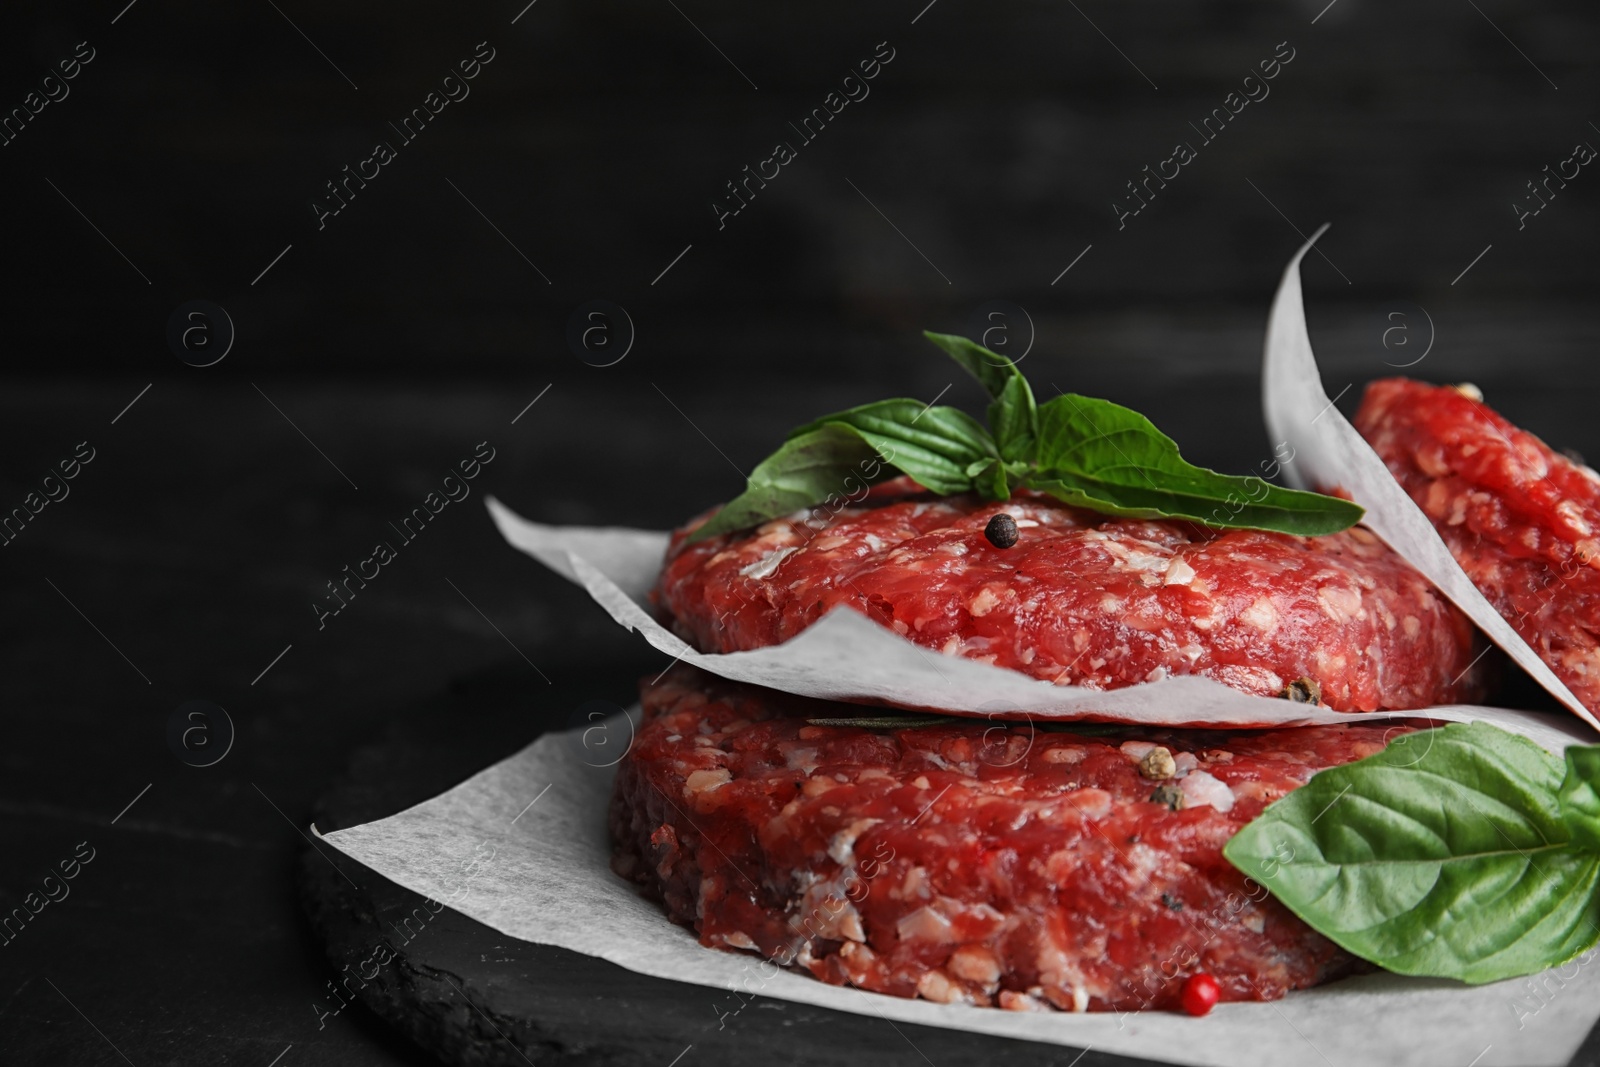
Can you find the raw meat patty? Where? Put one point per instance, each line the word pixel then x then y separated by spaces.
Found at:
pixel 967 862
pixel 1519 517
pixel 1083 599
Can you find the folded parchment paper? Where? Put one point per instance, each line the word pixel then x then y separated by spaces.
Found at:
pixel 1329 453
pixel 541 874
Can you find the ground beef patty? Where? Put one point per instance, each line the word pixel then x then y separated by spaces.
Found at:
pixel 1519 517
pixel 967 862
pixel 1083 599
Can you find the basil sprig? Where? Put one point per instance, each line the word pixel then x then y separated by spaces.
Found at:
pixel 1464 852
pixel 1089 453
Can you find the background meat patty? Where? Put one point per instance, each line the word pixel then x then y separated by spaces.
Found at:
pixel 966 862
pixel 1083 599
pixel 1519 517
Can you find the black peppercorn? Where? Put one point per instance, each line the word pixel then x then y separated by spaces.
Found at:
pixel 1303 691
pixel 1168 794
pixel 1001 531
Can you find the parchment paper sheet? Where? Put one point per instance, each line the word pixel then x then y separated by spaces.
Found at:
pixel 541 874
pixel 847 656
pixel 1329 453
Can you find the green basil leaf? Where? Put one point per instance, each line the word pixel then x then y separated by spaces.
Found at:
pixel 807 470
pixel 840 454
pixel 932 444
pixel 1446 854
pixel 989 478
pixel 992 370
pixel 1013 415
pixel 1014 421
pixel 1103 456
pixel 1580 801
pixel 1089 453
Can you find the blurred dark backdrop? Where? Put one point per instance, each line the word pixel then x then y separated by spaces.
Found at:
pixel 598 137
pixel 373 353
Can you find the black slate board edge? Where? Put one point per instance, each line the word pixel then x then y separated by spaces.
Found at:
pixel 406 995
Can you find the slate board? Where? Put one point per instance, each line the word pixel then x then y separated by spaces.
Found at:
pixel 473 996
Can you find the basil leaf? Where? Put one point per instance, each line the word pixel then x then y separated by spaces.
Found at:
pixel 989 478
pixel 840 454
pixel 1014 421
pixel 1446 854
pixel 1013 415
pixel 807 470
pixel 1580 802
pixel 1089 453
pixel 1103 456
pixel 992 370
pixel 934 445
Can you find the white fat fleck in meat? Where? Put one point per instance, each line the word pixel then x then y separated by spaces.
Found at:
pixel 975 963
pixel 1411 626
pixel 768 563
pixel 1064 754
pixel 1340 604
pixel 1261 615
pixel 1328 666
pixel 817 785
pixel 842 848
pixel 1156 674
pixel 1013 1001
pixel 1186 762
pixel 1202 790
pixel 1080 999
pixel 984 601
pixel 1433 462
pixel 1178 572
pixel 801 758
pixel 934 986
pixel 704 781
pixel 926 925
pixel 915 885
pixel 1137 750
pixel 1136 556
pixel 1090 803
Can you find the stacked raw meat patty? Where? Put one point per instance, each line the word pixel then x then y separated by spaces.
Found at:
pixel 1519 517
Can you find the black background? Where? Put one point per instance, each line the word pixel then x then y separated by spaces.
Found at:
pixel 424 317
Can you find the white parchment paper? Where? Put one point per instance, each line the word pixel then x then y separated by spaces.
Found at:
pixel 541 873
pixel 1329 454
pixel 847 656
